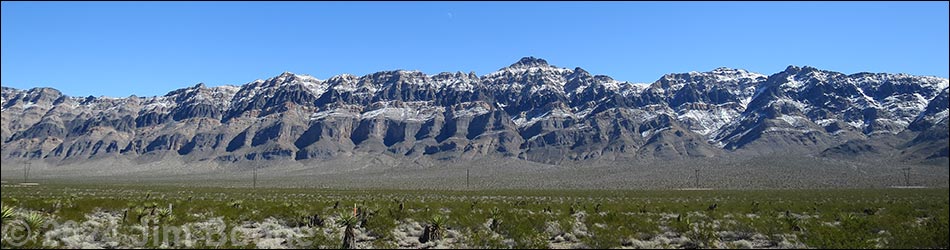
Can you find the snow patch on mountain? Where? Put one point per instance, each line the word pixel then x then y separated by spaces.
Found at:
pixel 704 122
pixel 404 111
pixel 794 120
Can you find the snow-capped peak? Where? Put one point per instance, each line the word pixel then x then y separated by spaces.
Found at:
pixel 529 65
pixel 290 76
pixel 529 62
pixel 342 77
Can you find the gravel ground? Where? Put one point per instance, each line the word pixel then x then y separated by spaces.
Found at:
pixel 382 171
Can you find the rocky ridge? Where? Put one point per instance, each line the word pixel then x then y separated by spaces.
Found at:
pixel 530 110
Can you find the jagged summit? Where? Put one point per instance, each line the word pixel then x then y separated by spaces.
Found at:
pixel 287 75
pixel 580 71
pixel 529 62
pixel 794 69
pixel 727 70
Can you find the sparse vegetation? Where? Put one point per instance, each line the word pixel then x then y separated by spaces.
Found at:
pixel 298 218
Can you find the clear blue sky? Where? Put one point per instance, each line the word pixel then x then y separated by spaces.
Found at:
pixel 150 48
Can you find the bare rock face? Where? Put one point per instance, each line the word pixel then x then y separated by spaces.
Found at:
pixel 530 110
pixel 930 144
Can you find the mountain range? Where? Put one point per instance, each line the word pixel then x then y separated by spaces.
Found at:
pixel 529 111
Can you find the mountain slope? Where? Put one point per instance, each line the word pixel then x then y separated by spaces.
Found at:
pixel 530 110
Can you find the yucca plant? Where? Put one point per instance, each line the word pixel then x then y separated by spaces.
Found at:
pixel 494 213
pixel 129 206
pixel 71 201
pixel 7 214
pixel 682 225
pixel 363 217
pixel 299 217
pixel 164 215
pixel 433 231
pixel 138 212
pixel 35 220
pixel 315 221
pixel 793 223
pixel 348 222
pixel 236 203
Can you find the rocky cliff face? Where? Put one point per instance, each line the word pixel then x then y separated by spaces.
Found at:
pixel 529 110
